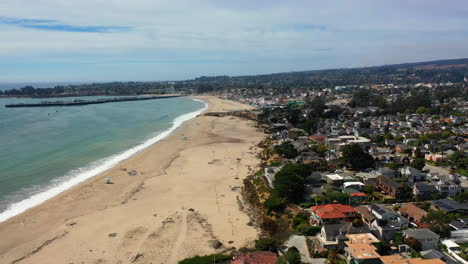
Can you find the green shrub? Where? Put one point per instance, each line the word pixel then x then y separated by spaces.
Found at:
pixel 207 259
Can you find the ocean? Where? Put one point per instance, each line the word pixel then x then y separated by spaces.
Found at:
pixel 45 151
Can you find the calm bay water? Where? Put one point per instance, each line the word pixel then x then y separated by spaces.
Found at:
pixel 46 150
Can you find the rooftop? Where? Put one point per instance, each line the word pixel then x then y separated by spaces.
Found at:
pixel 329 211
pixel 420 233
pixel 362 238
pixel 398 259
pixel 362 250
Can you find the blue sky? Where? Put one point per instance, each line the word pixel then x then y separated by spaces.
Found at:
pixel 146 40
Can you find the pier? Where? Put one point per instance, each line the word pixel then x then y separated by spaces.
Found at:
pixel 87 102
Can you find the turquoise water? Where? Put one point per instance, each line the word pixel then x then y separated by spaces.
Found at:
pixel 57 147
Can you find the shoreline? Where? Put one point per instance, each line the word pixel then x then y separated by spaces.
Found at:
pixel 185 194
pixel 106 163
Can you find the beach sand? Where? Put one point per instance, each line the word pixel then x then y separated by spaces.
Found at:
pixel 185 196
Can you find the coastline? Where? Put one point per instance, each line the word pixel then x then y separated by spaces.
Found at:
pixel 92 171
pixel 183 201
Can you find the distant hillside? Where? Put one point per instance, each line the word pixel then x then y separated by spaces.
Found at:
pixel 441 71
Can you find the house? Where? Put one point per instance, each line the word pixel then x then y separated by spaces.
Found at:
pixel 436 254
pixel 387 172
pixel 411 173
pixel 435 157
pixel 334 179
pixel 398 259
pixel 412 213
pixel 367 217
pixel 333 236
pixel 447 188
pixel 428 239
pixel 424 191
pixel 460 235
pixel 358 186
pixel 361 253
pixel 257 257
pixel 332 213
pixel 450 206
pixel 386 222
pixel 390 187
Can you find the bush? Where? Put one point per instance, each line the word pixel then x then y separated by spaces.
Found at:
pixel 267 244
pixel 274 203
pixel 207 259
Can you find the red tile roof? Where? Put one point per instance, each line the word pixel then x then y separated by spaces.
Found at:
pixel 257 257
pixel 329 211
pixel 357 194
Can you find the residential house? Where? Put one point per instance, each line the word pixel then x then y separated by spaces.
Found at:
pixel 412 213
pixel 257 257
pixel 424 191
pixel 367 217
pixel 333 236
pixel 386 222
pixel 411 173
pixel 332 213
pixel 450 206
pixel 390 187
pixel 435 157
pixel 362 253
pixel 436 254
pixel 428 239
pixel 358 186
pixel 398 259
pixel 334 179
pixel 387 172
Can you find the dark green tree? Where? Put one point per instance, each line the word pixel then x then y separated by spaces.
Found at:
pixel 355 156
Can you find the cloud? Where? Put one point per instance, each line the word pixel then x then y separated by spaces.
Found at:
pixel 55 25
pixel 178 39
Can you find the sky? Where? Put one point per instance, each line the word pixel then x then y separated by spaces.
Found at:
pixel 161 40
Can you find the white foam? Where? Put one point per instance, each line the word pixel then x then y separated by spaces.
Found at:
pixel 83 174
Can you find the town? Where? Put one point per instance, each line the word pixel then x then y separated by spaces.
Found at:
pixel 360 174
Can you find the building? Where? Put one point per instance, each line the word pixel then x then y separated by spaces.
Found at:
pixel 257 257
pixel 450 206
pixel 333 236
pixel 332 213
pixel 361 253
pixel 428 239
pixel 390 187
pixel 424 191
pixel 334 179
pixel 398 259
pixel 412 213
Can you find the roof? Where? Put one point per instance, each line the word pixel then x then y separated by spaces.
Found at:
pixel 398 259
pixel 359 194
pixel 413 211
pixel 362 238
pixel 257 257
pixel 420 233
pixel 362 250
pixel 346 184
pixel 449 205
pixel 334 177
pixel 436 254
pixel 365 212
pixel 389 182
pixel 424 187
pixel 329 211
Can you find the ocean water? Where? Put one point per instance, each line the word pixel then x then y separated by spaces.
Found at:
pixel 45 151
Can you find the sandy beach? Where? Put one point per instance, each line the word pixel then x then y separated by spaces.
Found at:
pixel 183 200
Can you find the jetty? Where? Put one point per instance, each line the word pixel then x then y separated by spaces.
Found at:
pixel 87 102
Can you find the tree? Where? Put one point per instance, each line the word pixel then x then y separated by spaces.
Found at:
pixel 354 155
pixel 289 182
pixel 317 106
pixel 418 163
pixel 461 197
pixel 287 150
pixel 293 114
pixel 292 256
pixel 417 153
pixel 274 203
pixel 413 243
pixel 267 244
